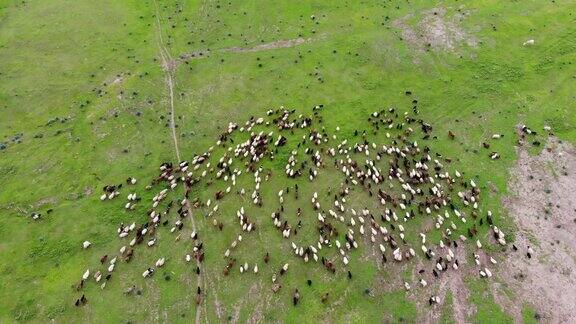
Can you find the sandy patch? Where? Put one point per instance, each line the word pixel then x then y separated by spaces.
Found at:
pixel 543 204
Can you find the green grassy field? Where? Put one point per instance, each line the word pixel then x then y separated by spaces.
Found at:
pixel 82 82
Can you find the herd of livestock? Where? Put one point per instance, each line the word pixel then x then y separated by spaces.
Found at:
pixel 402 180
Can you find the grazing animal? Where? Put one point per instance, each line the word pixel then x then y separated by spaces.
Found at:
pixel 81 301
pixel 296 297
pixel 529 42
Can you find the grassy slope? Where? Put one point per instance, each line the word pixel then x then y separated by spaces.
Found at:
pixel 55 53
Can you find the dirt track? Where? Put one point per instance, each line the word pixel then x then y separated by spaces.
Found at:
pixel 168 66
pixel 287 43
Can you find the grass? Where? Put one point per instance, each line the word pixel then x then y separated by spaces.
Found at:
pixel 487 309
pixel 60 60
pixel 529 315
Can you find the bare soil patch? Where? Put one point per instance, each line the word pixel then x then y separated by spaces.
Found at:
pixel 118 80
pixel 193 55
pixel 115 79
pixel 543 204
pixel 270 46
pixel 44 201
pixel 287 43
pixel 435 30
pixel 454 281
pixel 450 281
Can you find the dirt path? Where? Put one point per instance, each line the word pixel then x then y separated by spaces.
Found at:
pixel 454 281
pixel 269 46
pixel 286 43
pixel 542 204
pixel 170 83
pixel 451 282
pixel 169 67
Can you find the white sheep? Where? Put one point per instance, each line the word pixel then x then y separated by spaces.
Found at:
pixel 160 262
